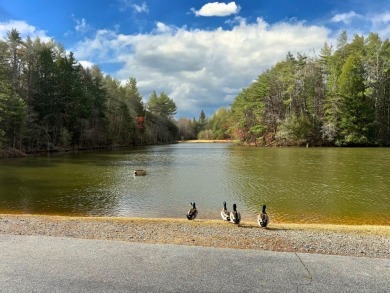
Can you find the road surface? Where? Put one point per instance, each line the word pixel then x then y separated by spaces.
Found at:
pixel 54 264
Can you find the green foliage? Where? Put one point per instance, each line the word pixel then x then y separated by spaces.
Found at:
pixel 357 116
pixel 161 110
pixel 248 113
pixel 48 101
pixel 12 107
pixel 162 105
pixel 339 98
pixel 294 130
pixel 202 122
pixel 219 123
pixel 134 98
pixel 206 134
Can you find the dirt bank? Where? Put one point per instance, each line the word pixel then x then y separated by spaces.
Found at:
pixel 11 153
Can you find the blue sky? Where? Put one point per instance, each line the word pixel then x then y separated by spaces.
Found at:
pixel 200 53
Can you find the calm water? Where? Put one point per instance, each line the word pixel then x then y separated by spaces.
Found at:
pixel 314 185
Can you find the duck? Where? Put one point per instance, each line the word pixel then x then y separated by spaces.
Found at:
pixel 262 218
pixel 225 214
pixel 140 172
pixel 235 216
pixel 193 212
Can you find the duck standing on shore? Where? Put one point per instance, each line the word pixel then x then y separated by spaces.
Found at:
pixel 225 214
pixel 235 216
pixel 262 218
pixel 193 212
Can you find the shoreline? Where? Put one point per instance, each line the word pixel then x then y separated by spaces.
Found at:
pixel 206 141
pixel 368 241
pixel 362 229
pixel 353 228
pixel 9 153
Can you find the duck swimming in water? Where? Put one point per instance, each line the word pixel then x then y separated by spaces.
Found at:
pixel 139 172
pixel 225 214
pixel 193 212
pixel 262 218
pixel 235 216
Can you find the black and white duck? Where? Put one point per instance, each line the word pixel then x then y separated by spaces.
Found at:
pixel 235 216
pixel 262 218
pixel 225 214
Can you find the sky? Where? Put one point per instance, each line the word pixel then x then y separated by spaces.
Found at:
pixel 200 53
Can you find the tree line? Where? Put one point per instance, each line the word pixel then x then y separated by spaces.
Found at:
pixel 49 101
pixel 339 98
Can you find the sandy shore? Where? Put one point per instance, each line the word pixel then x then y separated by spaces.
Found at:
pixel 369 241
pixel 206 141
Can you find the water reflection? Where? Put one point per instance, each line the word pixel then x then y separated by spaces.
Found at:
pixel 316 185
pixel 324 185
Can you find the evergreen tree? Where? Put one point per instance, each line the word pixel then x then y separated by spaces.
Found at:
pixel 202 122
pixel 357 116
pixel 14 57
pixel 135 99
pixel 162 105
pixel 219 123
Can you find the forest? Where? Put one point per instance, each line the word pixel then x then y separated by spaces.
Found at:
pixel 339 98
pixel 50 102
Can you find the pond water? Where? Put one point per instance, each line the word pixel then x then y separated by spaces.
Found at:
pixel 300 185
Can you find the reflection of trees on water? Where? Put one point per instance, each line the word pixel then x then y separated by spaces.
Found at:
pixel 68 185
pixel 329 185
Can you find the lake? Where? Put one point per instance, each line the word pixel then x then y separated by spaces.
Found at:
pixel 299 185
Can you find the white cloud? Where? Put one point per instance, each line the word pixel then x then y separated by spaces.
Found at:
pixel 143 8
pixel 23 28
pixel 217 9
pixel 82 26
pixel 200 69
pixel 381 24
pixel 236 20
pixel 162 27
pixel 355 23
pixel 86 64
pixel 129 4
pixel 382 18
pixel 345 17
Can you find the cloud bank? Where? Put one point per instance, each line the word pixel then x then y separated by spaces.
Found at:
pixel 23 28
pixel 205 69
pixel 200 69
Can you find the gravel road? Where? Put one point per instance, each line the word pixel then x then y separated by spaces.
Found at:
pixel 368 241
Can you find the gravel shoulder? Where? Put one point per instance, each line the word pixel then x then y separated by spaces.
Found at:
pixel 368 241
